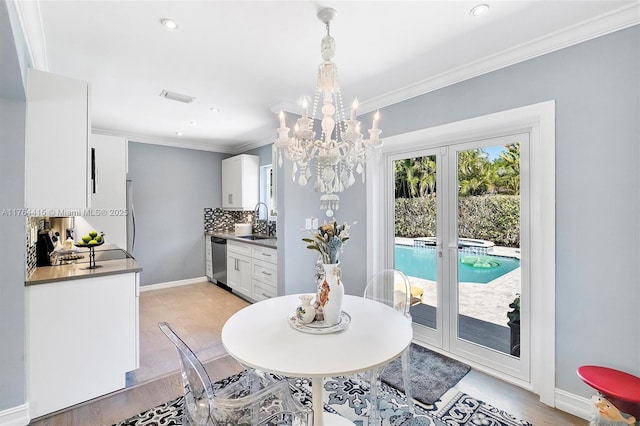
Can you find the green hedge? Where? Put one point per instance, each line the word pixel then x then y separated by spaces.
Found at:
pixel 487 217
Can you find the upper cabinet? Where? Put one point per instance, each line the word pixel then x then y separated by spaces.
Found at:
pixel 240 181
pixel 56 143
pixel 108 189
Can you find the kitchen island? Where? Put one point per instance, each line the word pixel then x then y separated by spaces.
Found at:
pixel 82 330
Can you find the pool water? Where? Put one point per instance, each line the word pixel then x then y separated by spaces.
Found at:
pixel 420 262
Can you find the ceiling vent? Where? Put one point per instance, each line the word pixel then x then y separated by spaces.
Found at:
pixel 177 96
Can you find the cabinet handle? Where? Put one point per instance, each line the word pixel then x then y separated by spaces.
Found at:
pixel 230 198
pixel 266 273
pixel 268 296
pixel 266 254
pixel 93 171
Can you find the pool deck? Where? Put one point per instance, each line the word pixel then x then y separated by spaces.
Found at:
pixel 488 302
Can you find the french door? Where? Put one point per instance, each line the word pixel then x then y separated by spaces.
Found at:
pixel 461 233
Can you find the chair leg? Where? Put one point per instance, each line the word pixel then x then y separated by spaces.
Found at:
pixel 406 378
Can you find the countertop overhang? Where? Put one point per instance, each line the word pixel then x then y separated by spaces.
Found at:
pixel 50 274
pixel 264 242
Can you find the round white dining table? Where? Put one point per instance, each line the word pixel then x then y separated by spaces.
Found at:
pixel 260 336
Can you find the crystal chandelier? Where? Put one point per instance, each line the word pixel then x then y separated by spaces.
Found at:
pixel 341 150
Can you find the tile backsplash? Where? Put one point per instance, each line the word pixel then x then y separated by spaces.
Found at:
pixel 34 224
pixel 218 220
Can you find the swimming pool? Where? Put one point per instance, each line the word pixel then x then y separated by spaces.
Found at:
pixel 421 262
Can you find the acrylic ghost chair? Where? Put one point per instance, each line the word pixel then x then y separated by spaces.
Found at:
pixel 255 399
pixel 393 288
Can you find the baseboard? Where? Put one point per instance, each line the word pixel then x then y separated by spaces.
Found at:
pixel 170 284
pixel 573 404
pixel 15 416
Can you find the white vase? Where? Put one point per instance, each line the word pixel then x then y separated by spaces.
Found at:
pixel 305 312
pixel 331 293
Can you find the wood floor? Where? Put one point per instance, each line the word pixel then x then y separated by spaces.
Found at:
pixel 197 312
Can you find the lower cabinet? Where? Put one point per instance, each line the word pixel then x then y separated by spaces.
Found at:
pixel 239 267
pixel 208 258
pixel 264 277
pixel 82 339
pixel 252 270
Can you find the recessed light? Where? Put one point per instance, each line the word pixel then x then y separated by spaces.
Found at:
pixel 178 133
pixel 480 9
pixel 193 123
pixel 214 109
pixel 169 23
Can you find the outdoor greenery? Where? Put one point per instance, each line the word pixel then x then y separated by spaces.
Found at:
pixel 489 196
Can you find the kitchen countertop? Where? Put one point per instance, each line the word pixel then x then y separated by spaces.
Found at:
pixel 264 242
pixel 50 274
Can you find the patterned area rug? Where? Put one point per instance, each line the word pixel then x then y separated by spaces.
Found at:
pixel 349 398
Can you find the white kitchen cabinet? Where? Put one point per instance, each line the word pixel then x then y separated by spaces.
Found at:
pixel 208 258
pixel 82 337
pixel 264 275
pixel 240 182
pixel 56 143
pixel 252 270
pixel 107 189
pixel 239 267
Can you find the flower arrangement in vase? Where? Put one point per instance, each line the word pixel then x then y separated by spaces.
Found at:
pixel 329 241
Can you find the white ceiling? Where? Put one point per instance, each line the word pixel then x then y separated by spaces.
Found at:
pixel 249 58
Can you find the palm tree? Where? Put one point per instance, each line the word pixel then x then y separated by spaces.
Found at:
pixel 475 175
pixel 508 170
pixel 415 177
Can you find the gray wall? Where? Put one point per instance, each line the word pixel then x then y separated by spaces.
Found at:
pixel 171 188
pixel 295 261
pixel 12 228
pixel 597 92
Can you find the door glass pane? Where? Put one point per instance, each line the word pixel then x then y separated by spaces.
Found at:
pixel 415 233
pixel 489 247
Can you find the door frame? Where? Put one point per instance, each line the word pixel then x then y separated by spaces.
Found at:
pixel 539 121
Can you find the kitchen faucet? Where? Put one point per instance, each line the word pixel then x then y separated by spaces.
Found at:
pixel 256 213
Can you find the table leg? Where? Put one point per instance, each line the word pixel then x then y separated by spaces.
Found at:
pixel 316 398
pixel 320 418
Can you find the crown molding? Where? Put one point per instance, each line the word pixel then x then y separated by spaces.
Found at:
pixel 621 18
pixel 253 145
pixel 198 144
pixel 285 105
pixel 30 23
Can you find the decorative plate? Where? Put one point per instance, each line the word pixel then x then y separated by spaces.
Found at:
pixel 318 327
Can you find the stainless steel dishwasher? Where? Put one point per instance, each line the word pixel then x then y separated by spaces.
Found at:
pixel 219 260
